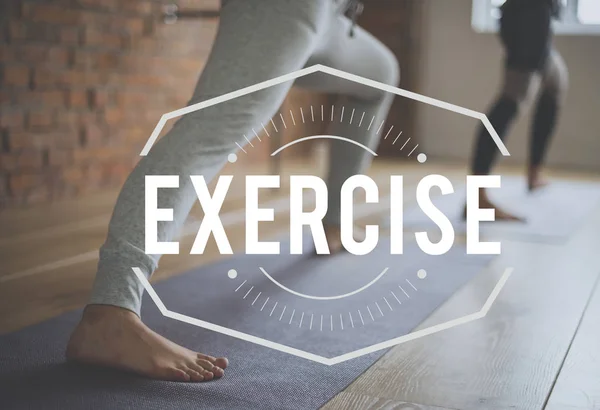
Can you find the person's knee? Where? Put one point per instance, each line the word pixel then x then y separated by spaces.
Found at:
pixel 558 87
pixel 519 90
pixel 387 71
pixel 391 68
pixel 518 100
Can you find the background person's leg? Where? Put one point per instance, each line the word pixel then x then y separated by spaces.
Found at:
pixel 525 33
pixel 365 56
pixel 256 41
pixel 517 89
pixel 554 87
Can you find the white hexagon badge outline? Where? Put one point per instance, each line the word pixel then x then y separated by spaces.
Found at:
pixel 288 349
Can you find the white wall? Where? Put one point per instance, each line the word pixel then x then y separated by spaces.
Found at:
pixel 463 67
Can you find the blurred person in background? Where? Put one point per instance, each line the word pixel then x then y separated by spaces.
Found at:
pixel 533 68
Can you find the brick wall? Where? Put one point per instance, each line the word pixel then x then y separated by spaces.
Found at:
pixel 84 82
pixel 82 85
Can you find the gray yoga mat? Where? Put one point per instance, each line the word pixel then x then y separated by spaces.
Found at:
pixel 33 373
pixel 552 214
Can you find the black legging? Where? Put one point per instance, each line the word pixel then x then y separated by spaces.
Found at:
pixel 526 36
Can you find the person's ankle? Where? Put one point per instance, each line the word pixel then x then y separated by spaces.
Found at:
pixel 96 312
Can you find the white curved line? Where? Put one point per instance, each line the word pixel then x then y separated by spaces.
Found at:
pixel 331 137
pixel 303 295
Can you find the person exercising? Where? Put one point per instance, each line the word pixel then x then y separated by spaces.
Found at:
pixel 256 41
pixel 532 65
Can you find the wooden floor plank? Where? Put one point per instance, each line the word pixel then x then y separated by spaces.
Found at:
pixel 578 384
pixel 353 401
pixel 510 358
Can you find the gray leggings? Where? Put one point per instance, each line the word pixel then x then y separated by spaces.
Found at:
pixel 256 41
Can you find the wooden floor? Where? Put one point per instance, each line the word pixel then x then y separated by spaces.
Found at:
pixel 538 347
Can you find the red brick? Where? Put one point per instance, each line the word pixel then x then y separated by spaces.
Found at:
pixel 136 62
pixel 107 61
pixel 7 53
pixel 114 172
pixel 29 160
pixel 6 98
pixel 136 7
pixel 18 140
pixel 73 174
pixel 38 120
pixel 4 194
pixel 15 119
pixel 34 53
pixel 67 120
pixel 47 98
pixel 69 35
pixel 44 76
pixel 98 98
pixel 135 25
pixel 132 100
pixel 16 31
pixel 94 135
pixel 58 56
pixel 42 54
pixel 41 140
pixel 20 184
pixel 126 137
pixel 114 116
pixel 106 5
pixel 8 162
pixel 16 75
pixel 48 77
pixel 77 99
pixel 96 37
pixel 50 13
pixel 103 60
pixel 33 31
pixel 60 157
pixel 142 80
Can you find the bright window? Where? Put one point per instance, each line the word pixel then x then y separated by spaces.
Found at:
pixel 580 17
pixel 588 11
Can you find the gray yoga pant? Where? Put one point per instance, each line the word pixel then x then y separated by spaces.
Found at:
pixel 256 41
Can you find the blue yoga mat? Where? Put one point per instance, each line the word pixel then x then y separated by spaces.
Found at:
pixel 33 373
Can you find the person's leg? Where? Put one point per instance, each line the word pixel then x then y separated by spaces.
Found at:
pixel 525 33
pixel 518 87
pixel 554 87
pixel 363 55
pixel 256 41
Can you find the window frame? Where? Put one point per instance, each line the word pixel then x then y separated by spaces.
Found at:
pixel 483 22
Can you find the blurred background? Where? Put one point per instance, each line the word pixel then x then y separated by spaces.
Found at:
pixel 83 83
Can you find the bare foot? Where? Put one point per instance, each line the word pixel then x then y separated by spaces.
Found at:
pixel 333 234
pixel 499 214
pixel 115 337
pixel 534 180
